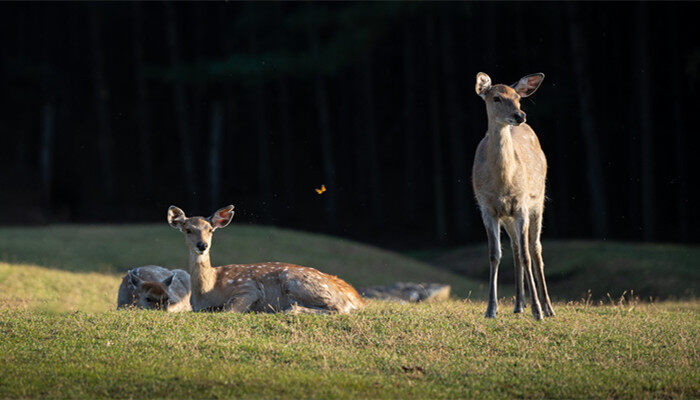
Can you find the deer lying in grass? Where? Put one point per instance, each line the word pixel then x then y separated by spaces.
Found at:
pixel 155 287
pixel 509 181
pixel 266 287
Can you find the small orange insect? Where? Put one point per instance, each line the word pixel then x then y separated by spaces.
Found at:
pixel 321 190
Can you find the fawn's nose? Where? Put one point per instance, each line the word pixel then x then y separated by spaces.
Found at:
pixel 201 246
pixel 519 117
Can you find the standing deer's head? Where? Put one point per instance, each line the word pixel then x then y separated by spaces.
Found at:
pixel 503 101
pixel 199 230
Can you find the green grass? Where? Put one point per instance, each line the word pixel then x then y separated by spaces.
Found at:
pixel 113 249
pixel 444 350
pixel 60 336
pixel 573 268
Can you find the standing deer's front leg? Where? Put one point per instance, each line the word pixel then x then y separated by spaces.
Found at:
pixel 493 232
pixel 521 231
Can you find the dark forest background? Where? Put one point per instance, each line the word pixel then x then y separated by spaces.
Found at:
pixel 113 111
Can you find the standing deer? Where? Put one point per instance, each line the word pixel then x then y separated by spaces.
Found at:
pixel 267 287
pixel 509 183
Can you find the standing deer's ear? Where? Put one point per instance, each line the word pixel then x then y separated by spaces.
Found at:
pixel 483 84
pixel 176 217
pixel 222 217
pixel 527 85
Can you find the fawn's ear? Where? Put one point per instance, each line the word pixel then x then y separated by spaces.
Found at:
pixel 135 279
pixel 222 217
pixel 168 280
pixel 527 85
pixel 483 84
pixel 176 217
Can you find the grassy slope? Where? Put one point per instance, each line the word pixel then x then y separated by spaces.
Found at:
pixel 573 267
pixel 59 335
pixel 448 350
pixel 112 249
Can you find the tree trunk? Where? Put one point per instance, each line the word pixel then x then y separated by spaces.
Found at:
pixel 324 127
pixel 214 154
pixel 461 203
pixel 101 92
pixel 142 110
pixel 20 154
pixel 410 197
pixel 682 196
pixel 181 119
pixel 436 144
pixel 263 135
pixel 559 215
pixel 371 156
pixel 643 116
pixel 199 104
pixel 596 187
pixel 46 154
pixel 287 143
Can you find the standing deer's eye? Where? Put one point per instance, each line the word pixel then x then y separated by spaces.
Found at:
pixel 497 99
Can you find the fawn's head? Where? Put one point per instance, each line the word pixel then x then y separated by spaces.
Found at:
pixel 503 101
pixel 199 230
pixel 152 294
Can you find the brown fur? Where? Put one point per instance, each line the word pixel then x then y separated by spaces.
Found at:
pixel 155 288
pixel 509 184
pixel 269 287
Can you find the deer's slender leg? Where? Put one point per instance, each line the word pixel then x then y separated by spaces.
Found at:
pixel 493 232
pixel 518 267
pixel 521 230
pixel 536 253
pixel 243 297
pixel 296 309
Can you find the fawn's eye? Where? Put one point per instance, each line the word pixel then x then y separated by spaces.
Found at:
pixel 497 99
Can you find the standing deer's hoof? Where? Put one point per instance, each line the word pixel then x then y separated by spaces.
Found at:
pixel 549 311
pixel 537 311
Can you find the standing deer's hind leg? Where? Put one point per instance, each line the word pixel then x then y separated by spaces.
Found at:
pixel 493 232
pixel 521 230
pixel 536 253
pixel 518 267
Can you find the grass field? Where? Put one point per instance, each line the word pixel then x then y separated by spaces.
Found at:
pixel 60 336
pixel 573 268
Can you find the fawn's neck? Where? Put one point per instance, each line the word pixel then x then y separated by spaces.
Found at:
pixel 500 154
pixel 202 274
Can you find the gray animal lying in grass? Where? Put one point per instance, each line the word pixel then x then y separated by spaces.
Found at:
pixel 155 287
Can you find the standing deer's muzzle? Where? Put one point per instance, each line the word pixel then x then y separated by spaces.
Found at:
pixel 519 117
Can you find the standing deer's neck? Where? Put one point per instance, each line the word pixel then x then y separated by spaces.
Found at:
pixel 500 154
pixel 203 275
